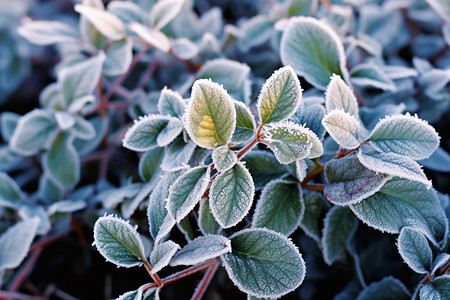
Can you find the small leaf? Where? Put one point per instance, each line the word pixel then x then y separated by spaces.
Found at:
pixel 280 207
pixel 263 167
pixel 66 206
pixel 152 36
pixel 8 123
pixel 231 195
pixel 206 221
pixel 149 164
pixel 438 289
pixel 171 103
pixel 118 57
pixel 339 96
pixel 210 116
pixel 177 155
pixel 442 7
pixel 245 123
pixel 118 242
pixel 260 261
pixel 302 48
pixel 164 11
pixel 48 32
pixel 280 96
pixel 64 120
pixel 15 243
pixel 223 158
pixel 107 23
pixel 170 132
pixel 371 75
pixel 83 129
pixel 10 193
pixel 339 227
pixel 414 249
pixel 388 288
pixel 351 182
pixel 184 49
pixel 312 116
pixel 201 249
pixel 162 254
pixel 439 262
pixel 343 128
pixel 405 135
pixel 186 191
pixel 131 295
pixel 316 207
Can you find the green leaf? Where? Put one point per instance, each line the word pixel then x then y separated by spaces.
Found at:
pixel 371 75
pixel 260 261
pixel 34 131
pixel 389 288
pixel 312 116
pixel 351 182
pixel 401 203
pixel 105 22
pixel 83 129
pixel 150 162
pixel 343 128
pixel 255 32
pixel 62 161
pixel 152 36
pixel 164 11
pixel 438 289
pixel 231 195
pixel 405 135
pixel 10 193
pixel 280 207
pixel 264 167
pixel 316 207
pixel 339 96
pixel 8 123
pixel 162 254
pixel 414 249
pixel 223 158
pixel 171 103
pixel 15 243
pixel 48 32
pixel 186 191
pixel 280 96
pixel 210 117
pixel 118 57
pixel 339 227
pixel 302 47
pixel 177 154
pixel 206 221
pixel 118 242
pixel 245 123
pixel 170 132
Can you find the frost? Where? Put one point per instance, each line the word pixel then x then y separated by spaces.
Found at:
pixel 387 288
pixel 245 123
pixel 162 254
pixel 177 155
pixel 206 221
pixel 439 288
pixel 107 23
pixel 10 193
pixel 170 132
pixel 414 249
pixel 164 11
pixel 152 36
pixel 316 206
pixel 301 168
pixel 339 96
pixel 223 158
pixel 263 167
pixel 371 75
pixel 343 128
pixel 171 103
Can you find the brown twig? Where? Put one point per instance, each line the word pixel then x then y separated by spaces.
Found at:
pixel 201 289
pixel 25 270
pixel 153 275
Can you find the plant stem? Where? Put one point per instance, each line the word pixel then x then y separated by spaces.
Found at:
pixel 343 152
pixel 313 173
pixel 201 289
pixel 189 271
pixel 5 295
pixel 154 275
pixel 25 270
pixel 313 187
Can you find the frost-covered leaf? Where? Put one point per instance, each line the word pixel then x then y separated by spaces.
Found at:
pixel 392 164
pixel 164 11
pixel 438 289
pixel 151 294
pixel 118 242
pixel 414 249
pixel 131 295
pixel 223 158
pixel 255 31
pixel 171 103
pixel 8 123
pixel 316 207
pixel 186 191
pixel 64 120
pixel 302 48
pixel 280 96
pixel 370 75
pixel 48 32
pixel 438 161
pixel 27 212
pixel 260 261
pixel 66 206
pixel 441 260
pixel 152 36
pixel 206 221
pixel 201 249
pixel 442 7
pixel 312 116
pixel 231 195
pixel 339 227
pixel 105 22
pixel 405 135
pixel 149 164
pixel 245 123
pixel 184 49
pixel 118 57
pixel 264 167
pixel 350 182
pixel 34 131
pixel 210 116
pixel 343 128
pixel 389 288
pixel 401 203
pixel 145 133
pixel 339 96
pixel 15 242
pixel 162 254
pixel 177 154
pixel 83 129
pixel 126 11
pixel 280 207
pixel 10 193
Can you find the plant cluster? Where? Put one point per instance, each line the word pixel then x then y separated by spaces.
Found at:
pixel 276 145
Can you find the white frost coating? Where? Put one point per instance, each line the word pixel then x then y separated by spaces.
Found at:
pixel 201 249
pixel 170 132
pixel 280 96
pixel 177 155
pixel 223 158
pixel 125 233
pixel 149 292
pixel 66 206
pixel 414 249
pixel 152 36
pixel 162 254
pixel 10 192
pixel 107 23
pixel 442 7
pixel 48 32
pixel 301 169
pixel 137 294
pixel 171 103
pixel 371 75
pixel 245 123
pixel 343 128
pixel 405 135
pixel 339 96
pixel 65 121
pixel 164 11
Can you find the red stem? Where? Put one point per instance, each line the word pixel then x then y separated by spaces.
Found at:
pixel 4 295
pixel 154 275
pixel 201 289
pixel 189 271
pixel 313 187
pixel 25 270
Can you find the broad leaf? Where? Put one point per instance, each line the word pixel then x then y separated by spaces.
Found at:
pixel 438 161
pixel 264 167
pixel 316 207
pixel 231 195
pixel 260 261
pixel 149 164
pixel 414 249
pixel 245 123
pixel 171 103
pixel 170 132
pixel 8 123
pixel 343 128
pixel 118 242
pixel 223 158
pixel 340 96
pixel 312 116
pixel 280 96
pixel 389 288
pixel 302 48
pixel 118 57
pixel 105 22
pixel 280 207
pixel 83 129
pixel 438 289
pixel 10 193
pixel 371 75
pixel 201 249
pixel 206 221
pixel 162 254
pixel 177 155
pixel 442 7
pixel 48 32
pixel 164 11
pixel 152 36
pixel 210 117
pixel 401 203
pixel 405 135
pixel 66 206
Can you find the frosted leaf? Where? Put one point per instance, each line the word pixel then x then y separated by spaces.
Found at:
pixel 140 294
pixel 351 182
pixel 301 169
pixel 164 11
pixel 339 96
pixel 260 260
pixel 231 195
pixel 302 47
pixel 438 289
pixel 129 206
pixel 162 254
pixel 201 249
pixel 402 203
pixel 48 32
pixel 371 75
pixel 316 207
pixel 210 118
pixel 312 116
pixel 186 229
pixel 151 294
pixel 113 196
pixel 149 164
pixel 184 49
pixel 255 32
pixel 177 155
pixel 405 135
pixel 11 195
pixel 15 243
pixel 223 158
pixel 393 164
pixel 343 128
pixel 245 123
pixel 152 36
pixel 442 7
pixel 280 207
pixel 439 262
pixel 170 132
pixel 414 249
pixel 118 242
pixel 280 96
pixel 66 206
pixel 83 129
pixel 399 72
pixel 171 103
pixel 131 295
pixel 186 191
pixel 206 221
pixel 339 227
pixel 438 161
pixel 264 167
pixel 388 288
pixel 26 212
pixel 8 122
pixel 107 23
